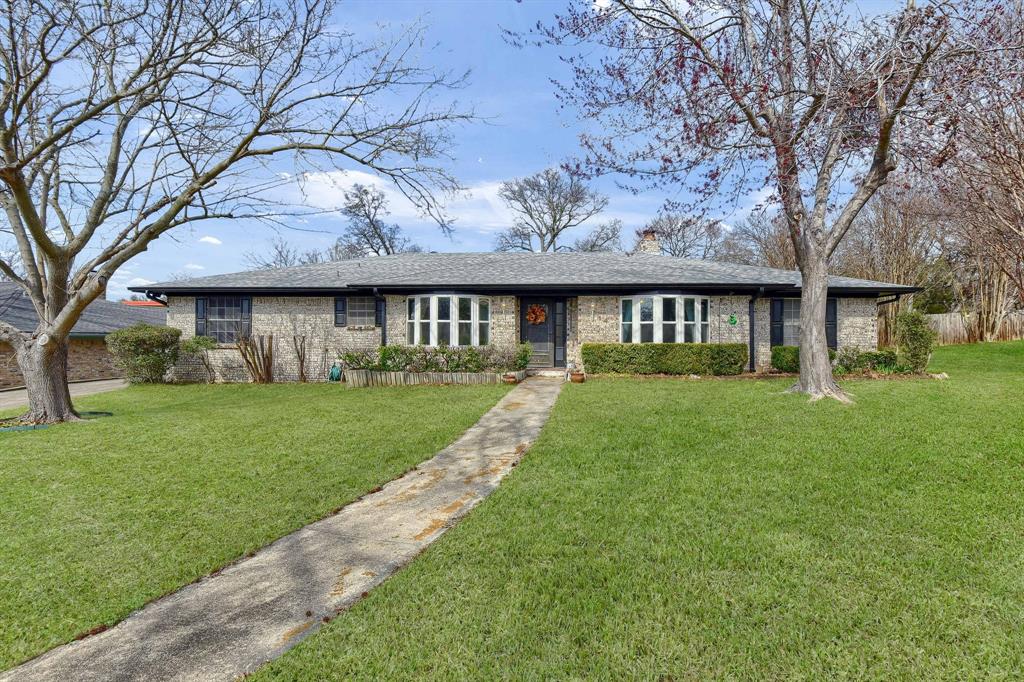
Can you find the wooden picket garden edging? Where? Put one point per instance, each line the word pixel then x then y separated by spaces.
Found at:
pixel 360 378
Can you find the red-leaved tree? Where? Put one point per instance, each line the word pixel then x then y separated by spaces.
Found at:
pixel 809 99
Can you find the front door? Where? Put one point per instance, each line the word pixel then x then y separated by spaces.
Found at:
pixel 541 321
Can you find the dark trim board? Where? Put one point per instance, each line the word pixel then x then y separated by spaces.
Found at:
pixel 513 290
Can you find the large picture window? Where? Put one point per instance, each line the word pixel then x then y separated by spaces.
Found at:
pixel 664 319
pixel 224 318
pixel 448 321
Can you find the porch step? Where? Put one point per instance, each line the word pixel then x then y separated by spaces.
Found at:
pixel 558 372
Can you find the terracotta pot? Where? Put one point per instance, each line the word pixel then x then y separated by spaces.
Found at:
pixel 577 377
pixel 510 379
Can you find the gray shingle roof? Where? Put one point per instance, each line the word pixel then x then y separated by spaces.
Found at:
pixel 99 318
pixel 561 270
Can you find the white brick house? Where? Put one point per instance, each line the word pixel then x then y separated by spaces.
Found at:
pixel 557 301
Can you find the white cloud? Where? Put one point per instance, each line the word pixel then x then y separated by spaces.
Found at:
pixel 210 240
pixel 479 207
pixel 194 266
pixel 139 282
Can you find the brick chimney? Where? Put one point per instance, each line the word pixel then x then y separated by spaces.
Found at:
pixel 648 242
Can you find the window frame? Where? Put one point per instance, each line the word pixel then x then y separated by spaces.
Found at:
pixel 203 309
pixel 416 323
pixel 700 325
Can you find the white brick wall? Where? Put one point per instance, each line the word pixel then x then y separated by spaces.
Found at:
pixel 591 319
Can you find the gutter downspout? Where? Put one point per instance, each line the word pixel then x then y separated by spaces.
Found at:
pixel 750 326
pixel 384 321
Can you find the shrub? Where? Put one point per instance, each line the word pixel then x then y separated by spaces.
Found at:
pixel 440 359
pixel 145 352
pixel 914 339
pixel 786 358
pixel 883 358
pixel 664 358
pixel 200 347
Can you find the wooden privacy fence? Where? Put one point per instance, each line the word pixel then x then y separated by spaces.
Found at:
pixel 952 329
pixel 359 378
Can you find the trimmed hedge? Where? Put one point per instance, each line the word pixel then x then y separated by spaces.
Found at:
pixel 664 358
pixel 440 359
pixel 787 358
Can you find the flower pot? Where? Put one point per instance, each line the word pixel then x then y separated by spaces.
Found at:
pixel 510 379
pixel 577 377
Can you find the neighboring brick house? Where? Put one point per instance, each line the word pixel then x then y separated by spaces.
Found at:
pixel 498 298
pixel 87 352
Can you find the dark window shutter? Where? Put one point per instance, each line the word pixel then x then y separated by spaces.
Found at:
pixel 831 322
pixel 200 317
pixel 378 319
pixel 340 311
pixel 776 322
pixel 245 303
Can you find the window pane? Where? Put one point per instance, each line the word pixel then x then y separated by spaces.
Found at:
pixel 425 308
pixel 362 311
pixel 668 309
pixel 689 333
pixel 424 333
pixel 705 308
pixel 465 309
pixel 668 333
pixel 646 333
pixel 485 333
pixel 791 322
pixel 411 306
pixel 485 310
pixel 224 318
pixel 465 333
pixel 410 333
pixel 627 333
pixel 444 308
pixel 627 311
pixel 689 310
pixel 704 333
pixel 444 333
pixel 647 310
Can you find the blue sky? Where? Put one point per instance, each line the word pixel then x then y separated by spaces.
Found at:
pixel 525 132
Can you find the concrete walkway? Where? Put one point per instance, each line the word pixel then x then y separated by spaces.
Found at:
pixel 19 397
pixel 227 625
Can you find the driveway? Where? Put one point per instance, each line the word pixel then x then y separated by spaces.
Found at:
pixel 19 397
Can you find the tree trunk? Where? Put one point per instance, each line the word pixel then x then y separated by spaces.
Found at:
pixel 45 370
pixel 816 378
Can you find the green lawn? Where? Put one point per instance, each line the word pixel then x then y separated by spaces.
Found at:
pixel 98 518
pixel 670 530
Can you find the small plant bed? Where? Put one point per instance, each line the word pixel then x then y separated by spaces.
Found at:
pixel 414 365
pixel 909 359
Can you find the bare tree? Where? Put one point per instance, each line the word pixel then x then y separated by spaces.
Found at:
pixel 546 205
pixel 983 180
pixel 368 231
pixel 684 236
pixel 122 121
pixel 898 239
pixel 281 254
pixel 762 238
pixel 605 237
pixel 804 98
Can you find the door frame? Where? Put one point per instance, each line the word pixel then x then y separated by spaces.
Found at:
pixel 557 308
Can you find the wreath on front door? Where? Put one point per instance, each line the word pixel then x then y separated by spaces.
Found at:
pixel 536 314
